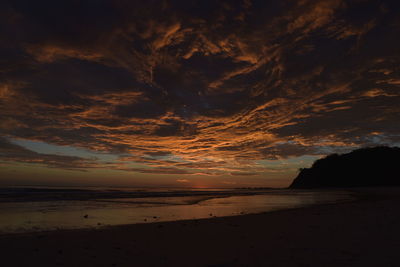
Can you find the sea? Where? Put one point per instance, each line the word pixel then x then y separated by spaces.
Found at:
pixel 36 209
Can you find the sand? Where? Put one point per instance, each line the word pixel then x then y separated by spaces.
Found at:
pixel 362 233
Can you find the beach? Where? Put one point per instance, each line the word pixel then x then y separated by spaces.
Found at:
pixel 359 233
pixel 37 210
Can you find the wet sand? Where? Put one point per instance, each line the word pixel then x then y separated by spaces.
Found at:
pixel 362 233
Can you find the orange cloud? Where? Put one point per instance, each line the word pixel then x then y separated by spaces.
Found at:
pixel 210 93
pixel 50 53
pixel 317 14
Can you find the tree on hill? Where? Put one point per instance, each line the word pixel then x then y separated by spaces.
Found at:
pixel 377 166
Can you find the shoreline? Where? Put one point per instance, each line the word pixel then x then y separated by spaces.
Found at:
pixel 357 195
pixel 357 233
pixel 111 227
pixel 97 219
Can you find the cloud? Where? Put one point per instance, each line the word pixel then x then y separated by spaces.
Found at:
pixel 48 54
pixel 159 170
pixel 10 152
pixel 197 87
pixel 377 92
pixel 182 180
pixel 243 173
pixel 313 15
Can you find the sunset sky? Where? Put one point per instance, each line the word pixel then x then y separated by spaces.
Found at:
pixel 192 93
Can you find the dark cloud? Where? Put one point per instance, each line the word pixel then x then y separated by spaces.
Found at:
pixel 207 85
pixel 158 153
pixel 243 173
pixel 160 170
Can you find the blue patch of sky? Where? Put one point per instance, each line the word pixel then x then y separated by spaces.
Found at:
pixel 45 148
pixel 295 162
pixel 169 157
pixel 383 139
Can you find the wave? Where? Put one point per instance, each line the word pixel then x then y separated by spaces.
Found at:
pixel 66 194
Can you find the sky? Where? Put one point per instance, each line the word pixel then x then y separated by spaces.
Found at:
pixel 192 93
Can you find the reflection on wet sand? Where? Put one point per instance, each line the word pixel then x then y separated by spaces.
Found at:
pixel 53 215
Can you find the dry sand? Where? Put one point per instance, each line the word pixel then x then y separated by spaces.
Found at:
pixel 362 233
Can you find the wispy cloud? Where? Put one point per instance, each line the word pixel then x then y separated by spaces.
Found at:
pixel 183 90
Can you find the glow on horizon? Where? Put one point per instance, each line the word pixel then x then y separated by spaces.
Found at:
pixel 132 94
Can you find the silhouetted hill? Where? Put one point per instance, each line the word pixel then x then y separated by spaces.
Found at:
pixel 378 166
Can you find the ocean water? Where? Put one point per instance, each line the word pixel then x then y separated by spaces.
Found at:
pixel 46 209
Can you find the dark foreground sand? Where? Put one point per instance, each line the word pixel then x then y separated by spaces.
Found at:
pixel 363 233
